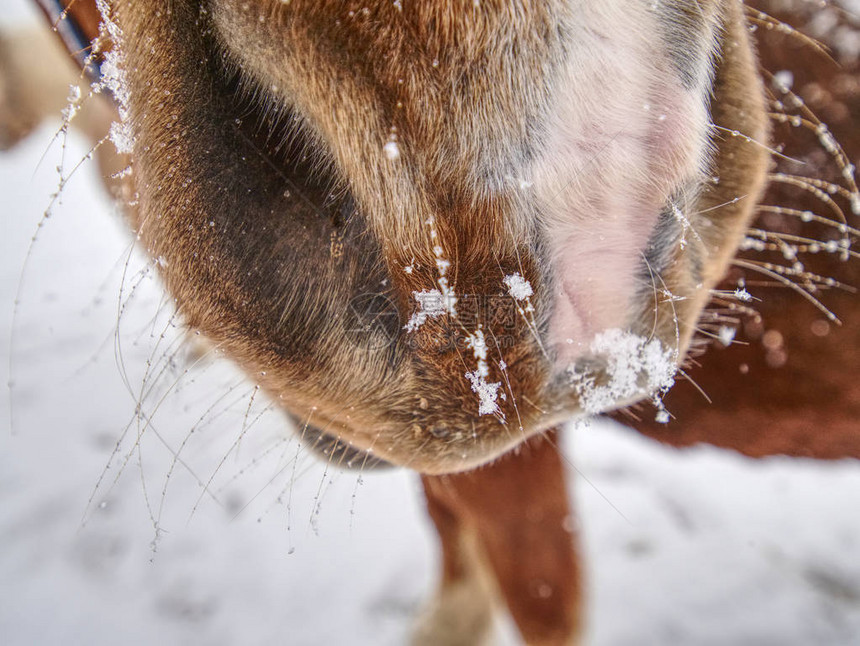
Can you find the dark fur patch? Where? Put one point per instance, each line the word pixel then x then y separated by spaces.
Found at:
pixel 685 27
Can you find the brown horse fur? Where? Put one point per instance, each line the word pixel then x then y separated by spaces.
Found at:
pixel 260 129
pixel 273 207
pixel 507 532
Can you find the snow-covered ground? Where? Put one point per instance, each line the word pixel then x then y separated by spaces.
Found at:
pixel 694 548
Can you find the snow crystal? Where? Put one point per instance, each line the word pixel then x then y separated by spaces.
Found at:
pixel 478 343
pixel 73 103
pixel 743 295
pixel 685 225
pixel 518 287
pixel 113 79
pixel 727 335
pixel 122 137
pixel 487 393
pixel 431 303
pixel 825 137
pixel 391 151
pixel 449 297
pixel 633 366
pixel 783 80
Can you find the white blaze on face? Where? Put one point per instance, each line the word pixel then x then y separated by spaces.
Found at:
pixel 622 136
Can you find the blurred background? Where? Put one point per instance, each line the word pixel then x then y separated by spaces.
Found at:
pixel 107 537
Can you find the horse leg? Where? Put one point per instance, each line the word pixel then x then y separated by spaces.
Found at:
pixel 507 531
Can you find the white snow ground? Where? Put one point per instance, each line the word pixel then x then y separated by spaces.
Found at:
pixel 699 548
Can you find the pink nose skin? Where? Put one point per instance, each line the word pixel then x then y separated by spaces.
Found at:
pixel 595 283
pixel 613 187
